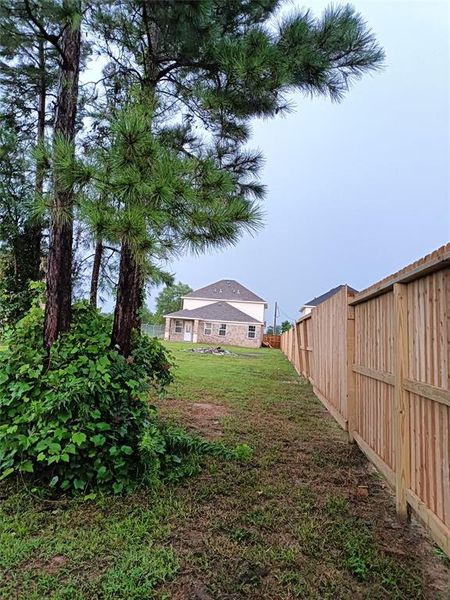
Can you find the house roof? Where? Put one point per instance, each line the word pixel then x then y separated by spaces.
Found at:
pixel 218 311
pixel 319 299
pixel 225 289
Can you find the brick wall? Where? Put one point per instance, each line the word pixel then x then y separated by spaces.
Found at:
pixel 236 335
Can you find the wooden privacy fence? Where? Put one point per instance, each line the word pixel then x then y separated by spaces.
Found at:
pixel 379 362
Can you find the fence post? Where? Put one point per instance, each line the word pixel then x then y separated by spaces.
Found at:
pixel 297 350
pixel 307 353
pixel 401 400
pixel 351 401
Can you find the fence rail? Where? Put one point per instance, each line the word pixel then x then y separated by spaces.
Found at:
pixel 380 363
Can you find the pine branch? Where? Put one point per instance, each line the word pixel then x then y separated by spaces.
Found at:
pixel 51 38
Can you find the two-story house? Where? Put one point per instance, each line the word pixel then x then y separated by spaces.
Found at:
pixel 224 312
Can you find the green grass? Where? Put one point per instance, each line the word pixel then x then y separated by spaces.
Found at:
pixel 284 524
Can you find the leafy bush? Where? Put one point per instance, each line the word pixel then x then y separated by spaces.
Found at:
pixel 80 419
pixel 77 422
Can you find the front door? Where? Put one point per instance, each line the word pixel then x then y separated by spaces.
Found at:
pixel 188 331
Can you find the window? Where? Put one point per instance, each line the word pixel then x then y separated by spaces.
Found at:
pixel 251 332
pixel 178 326
pixel 223 329
pixel 207 329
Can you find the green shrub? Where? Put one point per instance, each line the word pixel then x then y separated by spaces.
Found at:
pixel 77 422
pixel 80 420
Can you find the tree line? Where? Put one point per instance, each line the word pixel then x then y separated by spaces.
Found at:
pixel 124 136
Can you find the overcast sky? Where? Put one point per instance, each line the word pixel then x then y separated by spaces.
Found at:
pixel 356 190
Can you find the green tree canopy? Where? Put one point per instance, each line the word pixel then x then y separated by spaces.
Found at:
pixel 285 326
pixel 169 299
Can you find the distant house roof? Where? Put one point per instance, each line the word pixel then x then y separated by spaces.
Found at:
pixel 225 289
pixel 218 311
pixel 319 299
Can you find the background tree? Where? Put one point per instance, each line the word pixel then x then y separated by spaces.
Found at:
pixel 147 316
pixel 161 167
pixel 169 299
pixel 16 191
pixel 285 326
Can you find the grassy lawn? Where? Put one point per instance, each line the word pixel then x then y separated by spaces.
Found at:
pixel 305 517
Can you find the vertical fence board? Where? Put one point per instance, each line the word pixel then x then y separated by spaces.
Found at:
pixel 402 402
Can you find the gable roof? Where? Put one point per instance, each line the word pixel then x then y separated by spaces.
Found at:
pixel 218 311
pixel 225 289
pixel 319 299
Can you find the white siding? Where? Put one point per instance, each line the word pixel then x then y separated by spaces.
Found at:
pixel 253 309
pixel 191 303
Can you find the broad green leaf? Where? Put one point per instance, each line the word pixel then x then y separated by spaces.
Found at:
pixel 27 466
pixel 98 439
pixel 102 426
pixel 101 472
pixel 70 448
pixel 78 438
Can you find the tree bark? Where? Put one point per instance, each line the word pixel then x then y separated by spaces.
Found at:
pixel 59 270
pixel 96 272
pixel 140 290
pixel 126 302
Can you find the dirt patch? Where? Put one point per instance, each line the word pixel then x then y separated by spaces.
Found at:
pixel 204 418
pixel 50 566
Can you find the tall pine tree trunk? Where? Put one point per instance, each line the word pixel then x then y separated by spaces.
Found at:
pixel 96 273
pixel 126 302
pixel 130 291
pixel 59 269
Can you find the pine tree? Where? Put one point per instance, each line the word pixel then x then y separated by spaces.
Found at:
pixel 162 202
pixel 59 263
pixel 53 28
pixel 210 67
